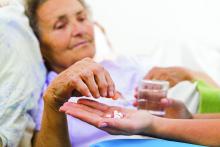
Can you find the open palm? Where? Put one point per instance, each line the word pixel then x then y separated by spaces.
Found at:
pixel 102 116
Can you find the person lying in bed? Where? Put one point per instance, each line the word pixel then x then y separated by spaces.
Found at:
pixel 65 33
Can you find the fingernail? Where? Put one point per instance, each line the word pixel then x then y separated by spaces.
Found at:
pixel 108 116
pixel 89 94
pixel 102 125
pixel 104 94
pixel 61 109
pixel 111 94
pixel 98 96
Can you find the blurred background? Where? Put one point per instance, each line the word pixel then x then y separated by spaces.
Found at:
pixel 138 26
pixel 165 32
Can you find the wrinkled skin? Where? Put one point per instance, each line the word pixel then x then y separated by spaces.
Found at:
pixel 172 74
pixel 93 80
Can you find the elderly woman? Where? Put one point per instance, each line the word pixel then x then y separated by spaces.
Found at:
pixel 67 44
pixel 66 40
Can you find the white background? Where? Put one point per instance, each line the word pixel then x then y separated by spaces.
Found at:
pixel 168 32
pixel 138 26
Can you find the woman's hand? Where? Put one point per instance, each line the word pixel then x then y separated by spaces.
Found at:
pixel 178 74
pixel 85 77
pixel 102 116
pixel 172 74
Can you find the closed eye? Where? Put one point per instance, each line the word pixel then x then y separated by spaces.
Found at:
pixel 60 23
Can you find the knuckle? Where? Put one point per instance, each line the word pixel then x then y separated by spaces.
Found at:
pixel 74 80
pixel 95 87
pixel 103 86
pixel 98 69
pixel 87 74
pixel 83 89
pixel 111 85
pixel 87 59
pixel 107 74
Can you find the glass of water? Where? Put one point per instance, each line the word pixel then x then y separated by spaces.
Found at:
pixel 150 93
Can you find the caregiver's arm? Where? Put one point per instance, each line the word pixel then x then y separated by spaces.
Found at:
pixel 198 131
pixel 54 129
pixel 207 116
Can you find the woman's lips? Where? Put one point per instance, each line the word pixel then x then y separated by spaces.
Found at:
pixel 79 44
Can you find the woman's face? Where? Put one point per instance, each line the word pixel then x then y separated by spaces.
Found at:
pixel 65 32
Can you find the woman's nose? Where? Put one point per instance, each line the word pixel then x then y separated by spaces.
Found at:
pixel 77 29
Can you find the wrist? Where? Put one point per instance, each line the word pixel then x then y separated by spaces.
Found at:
pixel 155 127
pixel 52 102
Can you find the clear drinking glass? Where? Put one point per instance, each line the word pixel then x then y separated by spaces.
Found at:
pixel 150 93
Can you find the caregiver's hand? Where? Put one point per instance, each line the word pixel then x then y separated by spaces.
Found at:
pixel 85 77
pixel 172 74
pixel 173 108
pixel 101 116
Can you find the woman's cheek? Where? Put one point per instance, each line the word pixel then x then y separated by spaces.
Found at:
pixel 90 29
pixel 61 39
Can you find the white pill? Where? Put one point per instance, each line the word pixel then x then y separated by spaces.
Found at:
pixel 108 115
pixel 117 114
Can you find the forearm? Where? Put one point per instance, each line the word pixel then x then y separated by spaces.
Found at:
pixel 54 129
pixel 197 131
pixel 207 116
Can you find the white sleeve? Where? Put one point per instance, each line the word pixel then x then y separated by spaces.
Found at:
pixel 22 74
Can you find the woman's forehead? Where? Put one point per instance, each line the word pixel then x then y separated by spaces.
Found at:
pixel 54 9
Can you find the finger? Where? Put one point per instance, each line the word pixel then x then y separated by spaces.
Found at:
pixel 154 74
pixel 81 87
pixel 102 84
pixel 113 131
pixel 117 95
pixel 68 105
pixel 165 102
pixel 111 85
pixel 83 115
pixel 150 74
pixel 175 103
pixel 93 104
pixel 135 104
pixel 152 95
pixel 89 79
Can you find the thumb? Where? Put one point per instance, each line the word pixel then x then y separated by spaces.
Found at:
pixel 171 103
pixel 167 103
